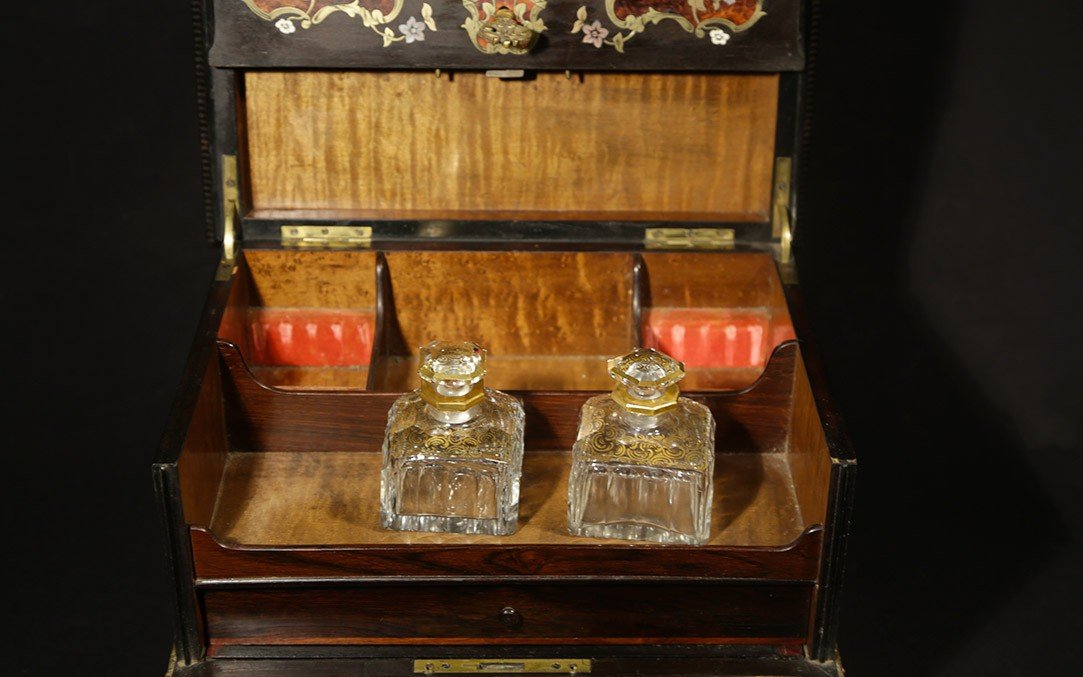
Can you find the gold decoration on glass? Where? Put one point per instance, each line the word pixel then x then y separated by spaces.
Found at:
pixel 457 444
pixel 504 29
pixel 643 459
pixel 451 374
pixel 646 381
pixel 453 449
pixel 609 445
pixel 702 18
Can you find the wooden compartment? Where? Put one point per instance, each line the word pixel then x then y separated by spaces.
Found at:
pixel 550 319
pixel 304 319
pixel 282 484
pixel 519 213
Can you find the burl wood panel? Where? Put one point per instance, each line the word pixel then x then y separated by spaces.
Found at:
pixel 364 144
pixel 810 457
pixel 286 278
pixel 608 613
pixel 712 280
pixel 203 454
pixel 514 303
pixel 269 419
pixel 303 499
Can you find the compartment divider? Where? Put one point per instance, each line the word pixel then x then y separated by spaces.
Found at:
pixel 384 306
pixel 262 418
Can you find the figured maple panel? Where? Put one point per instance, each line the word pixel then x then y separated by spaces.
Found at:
pixel 514 303
pixel 332 498
pixel 608 146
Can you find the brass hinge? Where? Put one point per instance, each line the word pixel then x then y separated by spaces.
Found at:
pixel 689 238
pixel 231 208
pixel 780 220
pixel 569 666
pixel 326 236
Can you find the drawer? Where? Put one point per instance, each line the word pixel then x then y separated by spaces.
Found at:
pixel 566 613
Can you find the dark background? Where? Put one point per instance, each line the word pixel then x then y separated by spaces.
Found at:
pixel 938 242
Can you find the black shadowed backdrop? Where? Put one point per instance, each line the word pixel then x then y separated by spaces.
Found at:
pixel 938 244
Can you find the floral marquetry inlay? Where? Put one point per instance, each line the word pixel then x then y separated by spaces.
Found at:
pixel 378 15
pixel 702 18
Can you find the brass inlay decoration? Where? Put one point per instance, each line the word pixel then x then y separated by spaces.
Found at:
pixel 504 27
pixel 476 666
pixel 375 15
pixel 702 18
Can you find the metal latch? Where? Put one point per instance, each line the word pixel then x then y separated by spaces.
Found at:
pixel 568 666
pixel 231 210
pixel 689 238
pixel 780 221
pixel 326 236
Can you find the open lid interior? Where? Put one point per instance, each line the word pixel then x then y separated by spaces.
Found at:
pixel 390 142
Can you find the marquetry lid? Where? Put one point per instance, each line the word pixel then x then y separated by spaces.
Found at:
pixel 651 35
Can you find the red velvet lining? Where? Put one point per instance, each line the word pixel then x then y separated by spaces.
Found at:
pixel 310 337
pixel 714 338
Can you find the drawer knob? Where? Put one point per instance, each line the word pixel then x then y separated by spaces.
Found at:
pixel 511 618
pixel 506 34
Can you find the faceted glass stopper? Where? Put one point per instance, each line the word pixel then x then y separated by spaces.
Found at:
pixel 451 373
pixel 646 381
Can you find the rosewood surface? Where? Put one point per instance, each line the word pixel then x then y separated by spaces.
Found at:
pixel 274 499
pixel 620 613
pixel 260 417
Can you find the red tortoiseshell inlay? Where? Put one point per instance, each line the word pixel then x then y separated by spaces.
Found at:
pixel 310 338
pixel 714 338
pixel 313 7
pixel 738 13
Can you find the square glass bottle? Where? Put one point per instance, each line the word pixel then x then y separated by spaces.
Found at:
pixel 453 450
pixel 643 462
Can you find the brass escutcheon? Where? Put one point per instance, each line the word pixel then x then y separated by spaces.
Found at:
pixel 505 30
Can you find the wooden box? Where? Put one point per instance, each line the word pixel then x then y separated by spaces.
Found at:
pixel 388 172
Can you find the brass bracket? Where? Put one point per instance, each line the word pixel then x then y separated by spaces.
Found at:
pixel 781 217
pixel 568 666
pixel 689 238
pixel 231 209
pixel 326 236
